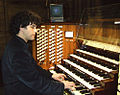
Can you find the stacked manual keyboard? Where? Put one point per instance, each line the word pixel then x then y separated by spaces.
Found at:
pixel 92 71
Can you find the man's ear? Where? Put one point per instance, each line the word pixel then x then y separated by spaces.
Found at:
pixel 22 29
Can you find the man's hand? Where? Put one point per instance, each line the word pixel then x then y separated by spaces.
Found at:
pixel 59 77
pixel 69 85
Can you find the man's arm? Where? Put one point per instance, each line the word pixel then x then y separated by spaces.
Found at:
pixel 25 71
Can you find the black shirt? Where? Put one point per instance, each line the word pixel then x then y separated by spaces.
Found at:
pixel 21 75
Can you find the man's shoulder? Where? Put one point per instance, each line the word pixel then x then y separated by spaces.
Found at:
pixel 14 43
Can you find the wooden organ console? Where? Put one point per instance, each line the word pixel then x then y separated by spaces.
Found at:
pixel 93 66
pixel 51 46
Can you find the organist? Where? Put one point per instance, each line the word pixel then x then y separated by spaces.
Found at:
pixel 21 75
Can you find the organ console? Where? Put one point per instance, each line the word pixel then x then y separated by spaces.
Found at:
pixel 94 71
pixel 93 66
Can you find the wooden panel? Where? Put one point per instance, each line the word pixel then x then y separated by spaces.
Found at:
pixel 69 43
pixel 68 46
pixel 106 32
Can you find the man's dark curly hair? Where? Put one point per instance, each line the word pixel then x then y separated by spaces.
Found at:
pixel 23 19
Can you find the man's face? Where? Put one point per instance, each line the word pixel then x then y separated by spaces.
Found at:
pixel 29 32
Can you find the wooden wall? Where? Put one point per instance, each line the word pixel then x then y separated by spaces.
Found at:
pixel 2 28
pixel 106 32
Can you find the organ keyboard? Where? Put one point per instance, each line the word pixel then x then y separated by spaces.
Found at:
pixel 92 63
pixel 98 77
pixel 80 89
pixel 94 73
pixel 98 56
pixel 75 76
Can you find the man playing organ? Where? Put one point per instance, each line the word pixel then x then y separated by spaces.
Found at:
pixel 21 75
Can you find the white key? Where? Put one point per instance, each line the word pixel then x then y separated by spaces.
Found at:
pixel 98 56
pixel 84 70
pixel 76 77
pixel 77 92
pixel 92 63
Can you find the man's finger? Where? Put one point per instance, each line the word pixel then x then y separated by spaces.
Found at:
pixel 63 75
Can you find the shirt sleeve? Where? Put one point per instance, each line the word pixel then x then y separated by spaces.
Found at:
pixel 43 71
pixel 26 72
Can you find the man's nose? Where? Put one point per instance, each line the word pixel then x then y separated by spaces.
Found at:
pixel 35 30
